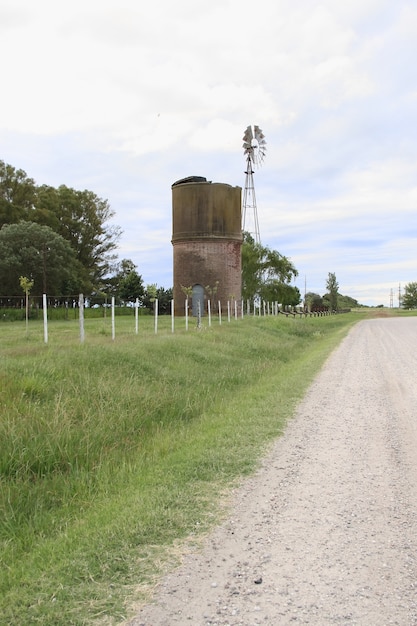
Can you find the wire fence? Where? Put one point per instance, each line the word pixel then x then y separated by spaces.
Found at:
pixel 78 308
pixel 13 308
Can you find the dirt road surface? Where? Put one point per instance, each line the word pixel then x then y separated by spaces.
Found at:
pixel 326 531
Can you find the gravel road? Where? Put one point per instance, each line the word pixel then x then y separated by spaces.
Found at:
pixel 326 531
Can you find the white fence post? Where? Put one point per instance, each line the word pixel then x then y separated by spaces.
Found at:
pixel 209 312
pixel 220 312
pixel 45 319
pixel 113 326
pixel 186 313
pixel 137 316
pixel 172 316
pixel 81 316
pixel 156 315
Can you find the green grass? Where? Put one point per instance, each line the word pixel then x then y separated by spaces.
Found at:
pixel 114 453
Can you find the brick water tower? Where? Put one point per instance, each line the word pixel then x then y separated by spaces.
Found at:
pixel 207 242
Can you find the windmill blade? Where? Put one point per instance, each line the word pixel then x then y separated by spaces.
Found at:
pixel 247 141
pixel 259 136
pixel 248 136
pixel 260 139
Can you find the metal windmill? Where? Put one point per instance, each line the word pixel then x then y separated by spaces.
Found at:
pixel 254 149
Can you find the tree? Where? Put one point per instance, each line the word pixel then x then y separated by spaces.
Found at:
pixel 80 217
pixel 164 300
pixel 332 287
pixel 164 297
pixel 46 209
pixel 313 301
pixel 17 194
pixel 290 295
pixel 26 284
pixel 125 267
pixel 151 295
pixel 251 267
pixel 266 273
pixel 37 252
pixel 409 299
pixel 124 282
pixel 131 287
pixel 343 302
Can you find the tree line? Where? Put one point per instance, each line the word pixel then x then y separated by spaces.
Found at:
pixel 62 240
pixel 61 235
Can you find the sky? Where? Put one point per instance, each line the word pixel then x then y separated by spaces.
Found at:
pixel 125 97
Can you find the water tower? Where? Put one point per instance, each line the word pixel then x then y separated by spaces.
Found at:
pixel 207 242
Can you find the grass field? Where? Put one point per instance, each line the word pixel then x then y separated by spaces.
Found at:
pixel 114 453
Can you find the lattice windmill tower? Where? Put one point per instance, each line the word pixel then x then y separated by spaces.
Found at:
pixel 254 149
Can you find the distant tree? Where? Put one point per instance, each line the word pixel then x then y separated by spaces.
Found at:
pixel 131 287
pixel 125 267
pixel 343 302
pixel 409 299
pixel 313 301
pixel 110 284
pixel 275 290
pixel 38 253
pixel 17 194
pixel 265 273
pixel 151 293
pixel 164 296
pixel 291 296
pixel 332 287
pixel 164 300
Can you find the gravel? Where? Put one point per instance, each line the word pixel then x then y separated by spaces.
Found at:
pixel 326 531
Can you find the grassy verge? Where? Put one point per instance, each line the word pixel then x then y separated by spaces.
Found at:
pixel 114 452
